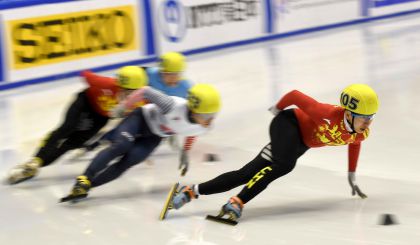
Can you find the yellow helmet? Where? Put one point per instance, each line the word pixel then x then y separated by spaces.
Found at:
pixel 172 62
pixel 203 99
pixel 132 77
pixel 360 99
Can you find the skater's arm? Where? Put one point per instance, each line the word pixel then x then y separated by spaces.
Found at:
pixel 163 101
pixel 353 156
pixel 307 104
pixel 354 150
pixel 184 160
pixel 145 95
pixel 188 142
pixel 94 80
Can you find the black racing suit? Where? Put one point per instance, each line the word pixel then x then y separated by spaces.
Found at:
pixel 276 159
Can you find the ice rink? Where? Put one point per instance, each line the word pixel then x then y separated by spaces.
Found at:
pixel 311 205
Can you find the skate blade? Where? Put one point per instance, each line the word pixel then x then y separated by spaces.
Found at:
pixel 73 199
pixel 221 220
pixel 12 181
pixel 168 201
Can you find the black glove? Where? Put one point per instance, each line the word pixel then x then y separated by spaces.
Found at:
pixel 354 187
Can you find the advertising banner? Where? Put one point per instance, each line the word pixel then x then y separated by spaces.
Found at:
pixel 192 24
pixel 289 15
pixel 70 36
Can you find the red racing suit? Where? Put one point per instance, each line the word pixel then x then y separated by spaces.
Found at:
pixel 102 92
pixel 323 124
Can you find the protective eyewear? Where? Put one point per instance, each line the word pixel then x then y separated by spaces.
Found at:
pixel 365 117
pixel 206 116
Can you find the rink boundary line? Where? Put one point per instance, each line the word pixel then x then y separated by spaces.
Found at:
pixel 269 37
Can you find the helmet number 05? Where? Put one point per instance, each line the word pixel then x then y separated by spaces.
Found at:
pixel 349 102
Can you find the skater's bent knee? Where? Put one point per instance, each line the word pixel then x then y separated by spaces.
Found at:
pixel 282 168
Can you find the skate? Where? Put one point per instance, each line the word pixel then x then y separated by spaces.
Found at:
pixel 168 202
pixel 177 198
pixel 230 212
pixel 24 171
pixel 80 190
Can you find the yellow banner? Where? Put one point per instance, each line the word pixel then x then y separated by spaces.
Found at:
pixel 71 36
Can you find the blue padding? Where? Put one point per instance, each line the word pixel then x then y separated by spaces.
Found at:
pixel 11 4
pixel 150 41
pixel 2 55
pixel 383 3
pixel 269 17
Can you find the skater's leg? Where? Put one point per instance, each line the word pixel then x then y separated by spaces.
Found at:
pixel 233 179
pixel 47 151
pixel 124 141
pixel 77 139
pixel 122 144
pixel 50 148
pixel 285 135
pixel 107 137
pixel 221 183
pixel 79 117
pixel 285 148
pixel 138 153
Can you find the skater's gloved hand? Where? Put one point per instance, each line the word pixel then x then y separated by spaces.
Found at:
pixel 117 112
pixel 354 187
pixel 274 110
pixel 173 142
pixel 184 161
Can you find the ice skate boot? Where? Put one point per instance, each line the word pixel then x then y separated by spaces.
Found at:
pixel 184 195
pixel 177 198
pixel 80 190
pixel 232 209
pixel 24 171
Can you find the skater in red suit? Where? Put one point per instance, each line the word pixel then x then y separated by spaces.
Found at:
pixel 87 114
pixel 292 132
